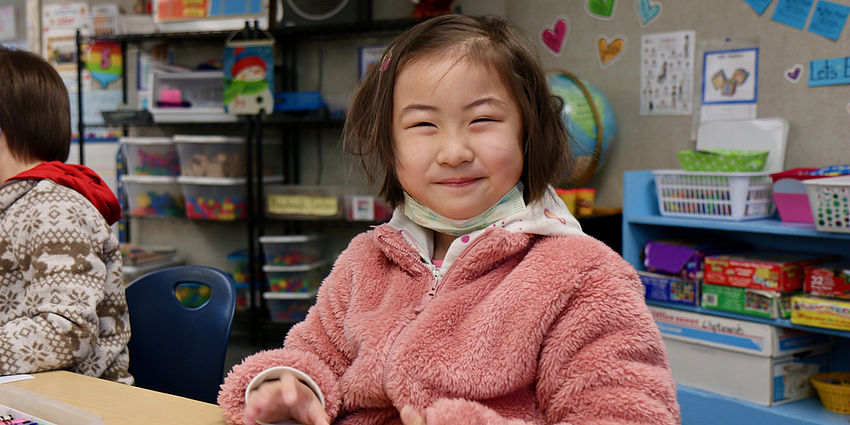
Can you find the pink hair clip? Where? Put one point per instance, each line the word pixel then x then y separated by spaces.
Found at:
pixel 385 63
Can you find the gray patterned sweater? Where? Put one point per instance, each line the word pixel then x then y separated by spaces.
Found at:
pixel 62 303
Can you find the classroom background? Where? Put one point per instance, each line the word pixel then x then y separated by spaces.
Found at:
pixel 661 73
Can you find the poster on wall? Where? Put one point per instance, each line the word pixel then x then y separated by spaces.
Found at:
pixel 667 73
pixel 8 30
pixel 729 84
pixel 59 24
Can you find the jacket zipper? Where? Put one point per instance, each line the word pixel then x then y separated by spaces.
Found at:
pixel 432 292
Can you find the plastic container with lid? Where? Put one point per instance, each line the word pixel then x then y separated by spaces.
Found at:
pixel 301 278
pixel 150 156
pixel 292 250
pixel 222 156
pixel 289 307
pixel 215 198
pixel 154 196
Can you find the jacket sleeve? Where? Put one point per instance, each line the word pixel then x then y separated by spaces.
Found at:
pixel 601 362
pixel 64 277
pixel 311 346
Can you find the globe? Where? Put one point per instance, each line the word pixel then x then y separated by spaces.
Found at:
pixel 590 120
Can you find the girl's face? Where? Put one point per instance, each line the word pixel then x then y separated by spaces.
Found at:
pixel 457 131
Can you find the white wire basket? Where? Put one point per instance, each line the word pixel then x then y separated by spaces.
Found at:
pixel 715 195
pixel 829 199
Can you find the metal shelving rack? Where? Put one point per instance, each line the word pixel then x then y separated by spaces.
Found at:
pixel 286 38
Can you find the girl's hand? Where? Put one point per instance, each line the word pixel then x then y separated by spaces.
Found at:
pixel 286 398
pixel 411 416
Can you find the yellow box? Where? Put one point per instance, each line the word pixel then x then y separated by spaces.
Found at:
pixel 569 198
pixel 820 312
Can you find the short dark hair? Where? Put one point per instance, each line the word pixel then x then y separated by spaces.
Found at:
pixel 34 107
pixel 491 41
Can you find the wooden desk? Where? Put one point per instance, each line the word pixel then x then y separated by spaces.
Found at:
pixel 120 404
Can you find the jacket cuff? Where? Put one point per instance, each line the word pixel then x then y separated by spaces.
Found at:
pixel 274 373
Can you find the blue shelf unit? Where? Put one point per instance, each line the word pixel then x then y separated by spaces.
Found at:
pixel 643 222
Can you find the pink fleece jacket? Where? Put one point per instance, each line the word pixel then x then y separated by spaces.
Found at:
pixel 523 329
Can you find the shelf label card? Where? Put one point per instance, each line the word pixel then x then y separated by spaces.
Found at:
pixel 323 206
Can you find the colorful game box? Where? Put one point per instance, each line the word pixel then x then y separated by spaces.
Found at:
pixel 680 257
pixel 668 288
pixel 755 302
pixel 828 280
pixel 820 312
pixel 781 271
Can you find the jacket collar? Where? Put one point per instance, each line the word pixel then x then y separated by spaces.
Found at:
pixel 491 246
pixel 548 217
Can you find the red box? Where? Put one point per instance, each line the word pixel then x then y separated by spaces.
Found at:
pixel 770 270
pixel 828 280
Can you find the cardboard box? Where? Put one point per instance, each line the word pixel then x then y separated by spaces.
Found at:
pixel 736 335
pixel 828 280
pixel 681 258
pixel 671 289
pixel 755 302
pixel 755 362
pixel 762 380
pixel 820 312
pixel 771 270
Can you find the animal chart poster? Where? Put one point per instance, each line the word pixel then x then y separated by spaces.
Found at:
pixel 667 73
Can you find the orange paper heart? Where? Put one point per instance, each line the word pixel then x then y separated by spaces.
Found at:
pixel 610 51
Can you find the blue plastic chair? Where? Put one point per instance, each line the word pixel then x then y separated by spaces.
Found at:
pixel 177 349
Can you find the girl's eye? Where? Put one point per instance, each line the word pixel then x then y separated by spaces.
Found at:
pixel 422 124
pixel 483 120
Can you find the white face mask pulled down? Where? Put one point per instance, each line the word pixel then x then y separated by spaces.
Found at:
pixel 420 214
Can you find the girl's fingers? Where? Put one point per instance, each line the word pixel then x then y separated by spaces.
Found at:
pixel 410 416
pixel 307 409
pixel 286 398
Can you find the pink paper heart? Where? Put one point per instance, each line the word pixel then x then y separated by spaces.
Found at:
pixel 555 39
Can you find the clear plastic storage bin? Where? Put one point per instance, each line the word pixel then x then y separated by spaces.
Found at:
pixel 222 156
pixel 829 199
pixel 303 278
pixel 154 196
pixel 193 96
pixel 211 198
pixel 724 196
pixel 292 250
pixel 150 156
pixel 289 307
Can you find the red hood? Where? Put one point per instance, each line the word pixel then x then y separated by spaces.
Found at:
pixel 82 179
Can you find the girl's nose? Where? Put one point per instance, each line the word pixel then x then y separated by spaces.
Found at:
pixel 454 150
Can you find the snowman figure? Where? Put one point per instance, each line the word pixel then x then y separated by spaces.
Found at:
pixel 248 92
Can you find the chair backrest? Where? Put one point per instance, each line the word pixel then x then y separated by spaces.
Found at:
pixel 177 349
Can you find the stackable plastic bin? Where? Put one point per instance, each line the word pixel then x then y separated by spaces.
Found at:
pixel 724 196
pixel 222 156
pixel 154 196
pixel 292 250
pixel 301 278
pixel 150 156
pixel 289 307
pixel 211 198
pixel 829 199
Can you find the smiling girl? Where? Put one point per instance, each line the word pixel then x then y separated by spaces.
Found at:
pixel 480 301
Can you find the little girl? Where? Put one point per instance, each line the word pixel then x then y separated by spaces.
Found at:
pixel 480 301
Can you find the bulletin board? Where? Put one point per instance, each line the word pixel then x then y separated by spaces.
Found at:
pixel 801 48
